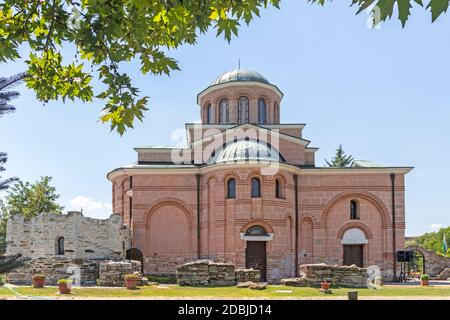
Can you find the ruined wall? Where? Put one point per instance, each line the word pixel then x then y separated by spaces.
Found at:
pixel 84 237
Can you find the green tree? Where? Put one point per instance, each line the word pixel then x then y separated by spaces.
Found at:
pixel 7 94
pixel 104 34
pixel 433 240
pixel 383 10
pixel 340 159
pixel 32 199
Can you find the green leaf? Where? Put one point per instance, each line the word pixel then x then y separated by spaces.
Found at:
pixel 437 8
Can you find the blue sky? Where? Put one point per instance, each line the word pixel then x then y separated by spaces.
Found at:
pixel 382 93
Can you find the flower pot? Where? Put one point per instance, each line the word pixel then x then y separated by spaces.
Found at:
pixel 325 285
pixel 38 282
pixel 425 283
pixel 131 283
pixel 64 288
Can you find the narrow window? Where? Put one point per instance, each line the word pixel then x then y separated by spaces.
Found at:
pixel 60 246
pixel 208 114
pixel 256 188
pixel 223 111
pixel 243 110
pixel 231 189
pixel 354 214
pixel 261 111
pixel 278 189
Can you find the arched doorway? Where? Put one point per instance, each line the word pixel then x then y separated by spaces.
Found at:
pixel 136 255
pixel 255 252
pixel 353 242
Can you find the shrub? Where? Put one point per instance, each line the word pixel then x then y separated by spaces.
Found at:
pixel 169 279
pixel 64 281
pixel 132 276
pixel 424 277
pixel 2 281
pixel 39 276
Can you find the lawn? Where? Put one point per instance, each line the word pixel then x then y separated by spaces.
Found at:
pixel 272 292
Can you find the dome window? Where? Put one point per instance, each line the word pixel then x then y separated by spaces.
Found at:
pixel 261 111
pixel 223 111
pixel 243 110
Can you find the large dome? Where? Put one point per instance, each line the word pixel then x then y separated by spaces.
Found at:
pixel 246 150
pixel 240 75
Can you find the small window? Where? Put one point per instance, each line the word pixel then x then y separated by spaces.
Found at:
pixel 231 189
pixel 354 214
pixel 256 231
pixel 278 189
pixel 256 188
pixel 60 246
pixel 208 114
pixel 261 111
pixel 223 111
pixel 243 110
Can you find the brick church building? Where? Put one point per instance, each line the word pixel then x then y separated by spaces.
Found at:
pixel 246 190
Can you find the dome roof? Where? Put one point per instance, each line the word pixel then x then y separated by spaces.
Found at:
pixel 240 75
pixel 246 150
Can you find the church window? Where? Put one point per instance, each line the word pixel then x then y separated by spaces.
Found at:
pixel 223 111
pixel 256 188
pixel 231 188
pixel 60 246
pixel 354 214
pixel 261 111
pixel 243 110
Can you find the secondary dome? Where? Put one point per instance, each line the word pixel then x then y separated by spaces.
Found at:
pixel 247 150
pixel 240 75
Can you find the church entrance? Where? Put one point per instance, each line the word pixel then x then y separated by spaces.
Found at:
pixel 255 257
pixel 353 254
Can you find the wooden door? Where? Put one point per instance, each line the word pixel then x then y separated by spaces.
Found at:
pixel 353 254
pixel 255 257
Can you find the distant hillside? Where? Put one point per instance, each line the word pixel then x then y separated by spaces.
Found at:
pixel 432 240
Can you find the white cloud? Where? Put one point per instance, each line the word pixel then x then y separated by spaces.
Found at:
pixel 91 208
pixel 435 226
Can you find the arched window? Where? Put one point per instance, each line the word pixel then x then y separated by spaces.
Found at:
pixel 223 111
pixel 276 113
pixel 278 189
pixel 231 188
pixel 354 213
pixel 256 231
pixel 209 114
pixel 256 188
pixel 60 246
pixel 261 111
pixel 243 110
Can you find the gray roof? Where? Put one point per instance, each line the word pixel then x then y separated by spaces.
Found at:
pixel 246 150
pixel 365 164
pixel 240 75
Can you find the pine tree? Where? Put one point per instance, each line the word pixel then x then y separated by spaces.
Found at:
pixel 340 159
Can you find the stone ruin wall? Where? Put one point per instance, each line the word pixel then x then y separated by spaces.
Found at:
pixel 211 273
pixel 91 247
pixel 312 275
pixel 84 237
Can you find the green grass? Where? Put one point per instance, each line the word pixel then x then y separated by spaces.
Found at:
pixel 230 292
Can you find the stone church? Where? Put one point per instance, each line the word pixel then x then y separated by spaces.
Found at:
pixel 246 190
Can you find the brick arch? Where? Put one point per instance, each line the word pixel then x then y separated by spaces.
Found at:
pixel 170 201
pixel 354 224
pixel 260 223
pixel 266 98
pixel 249 93
pixel 228 174
pixel 223 95
pixel 357 194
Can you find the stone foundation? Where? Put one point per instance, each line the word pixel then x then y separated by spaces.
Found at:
pixel 83 272
pixel 311 275
pixel 112 273
pixel 210 273
pixel 245 275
